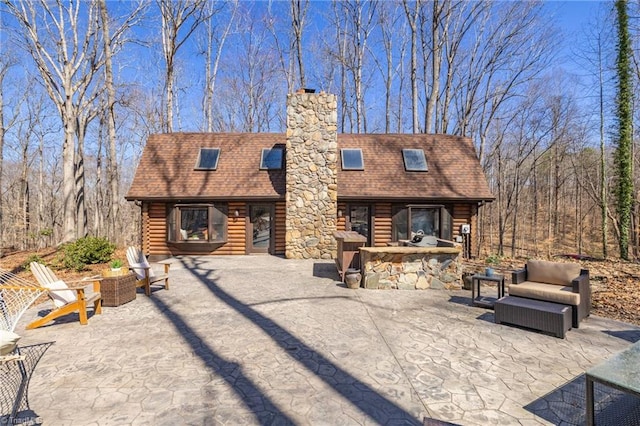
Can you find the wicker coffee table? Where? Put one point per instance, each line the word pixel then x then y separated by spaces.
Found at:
pixel 118 290
pixel 539 315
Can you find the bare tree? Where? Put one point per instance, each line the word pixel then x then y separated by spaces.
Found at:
pixel 513 45
pixel 5 64
pixel 464 19
pixel 337 51
pixel 356 20
pixel 65 57
pixel 388 18
pixel 180 18
pixel 412 18
pixel 111 42
pixel 110 118
pixel 254 88
pixel 298 15
pixel 212 61
pixel 596 60
pixel 435 36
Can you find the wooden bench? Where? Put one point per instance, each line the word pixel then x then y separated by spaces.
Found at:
pixel 539 315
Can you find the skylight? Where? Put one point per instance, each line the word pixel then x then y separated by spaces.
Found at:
pixel 414 160
pixel 271 158
pixel 208 159
pixel 352 159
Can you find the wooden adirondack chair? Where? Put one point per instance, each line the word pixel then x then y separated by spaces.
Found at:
pixel 66 299
pixel 139 264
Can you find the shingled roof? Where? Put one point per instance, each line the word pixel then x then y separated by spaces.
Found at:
pixel 167 168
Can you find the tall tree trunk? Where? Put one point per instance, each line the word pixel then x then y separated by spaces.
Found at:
pixel 3 72
pixel 112 159
pixel 412 18
pixel 387 25
pixel 549 209
pixel 604 217
pixel 101 206
pixel 81 194
pixel 515 214
pixel 24 198
pixel 556 192
pixel 298 15
pixel 41 207
pixel 536 203
pixel 69 173
pixel 624 136
pixel 175 31
pixel 436 61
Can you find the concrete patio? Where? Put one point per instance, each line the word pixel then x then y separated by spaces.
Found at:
pixel 263 340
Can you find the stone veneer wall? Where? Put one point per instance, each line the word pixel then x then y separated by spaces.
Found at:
pixel 409 268
pixel 312 186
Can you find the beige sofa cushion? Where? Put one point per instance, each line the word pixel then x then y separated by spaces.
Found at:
pixel 543 271
pixel 548 292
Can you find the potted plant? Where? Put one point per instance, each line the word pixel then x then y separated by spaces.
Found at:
pixel 116 265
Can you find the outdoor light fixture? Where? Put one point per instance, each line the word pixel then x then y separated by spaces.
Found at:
pixel 339 213
pixel 236 213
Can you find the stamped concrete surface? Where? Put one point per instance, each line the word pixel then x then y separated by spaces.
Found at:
pixel 264 340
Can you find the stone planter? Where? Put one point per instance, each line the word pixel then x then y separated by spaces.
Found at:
pixel 352 278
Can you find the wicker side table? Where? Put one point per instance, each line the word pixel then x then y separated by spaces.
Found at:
pixel 117 290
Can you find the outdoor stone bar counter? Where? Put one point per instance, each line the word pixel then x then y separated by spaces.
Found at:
pixel 411 268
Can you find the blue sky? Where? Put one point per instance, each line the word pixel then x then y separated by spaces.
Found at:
pixel 574 17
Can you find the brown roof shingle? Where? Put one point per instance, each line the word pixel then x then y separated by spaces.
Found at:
pixel 454 171
pixel 167 168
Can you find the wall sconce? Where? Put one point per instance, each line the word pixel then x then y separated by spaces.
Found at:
pixel 236 213
pixel 339 213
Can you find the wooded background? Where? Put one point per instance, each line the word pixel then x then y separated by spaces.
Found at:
pixel 82 85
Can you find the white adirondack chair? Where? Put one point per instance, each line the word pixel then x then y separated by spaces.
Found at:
pixel 139 264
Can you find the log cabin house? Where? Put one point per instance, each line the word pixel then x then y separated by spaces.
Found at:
pixel 286 194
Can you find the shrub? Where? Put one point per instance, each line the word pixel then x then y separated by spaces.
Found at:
pixel 87 251
pixel 493 259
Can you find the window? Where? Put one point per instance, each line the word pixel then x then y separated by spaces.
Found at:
pixel 414 160
pixel 198 223
pixel 352 159
pixel 271 159
pixel 431 220
pixel 208 159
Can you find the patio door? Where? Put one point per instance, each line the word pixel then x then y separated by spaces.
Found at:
pixel 360 220
pixel 259 229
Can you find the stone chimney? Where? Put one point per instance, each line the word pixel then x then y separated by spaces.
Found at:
pixel 312 186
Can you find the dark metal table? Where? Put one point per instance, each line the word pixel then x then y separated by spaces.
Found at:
pixel 485 301
pixel 349 243
pixel 619 372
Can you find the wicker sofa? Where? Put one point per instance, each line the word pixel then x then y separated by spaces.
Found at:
pixel 563 283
